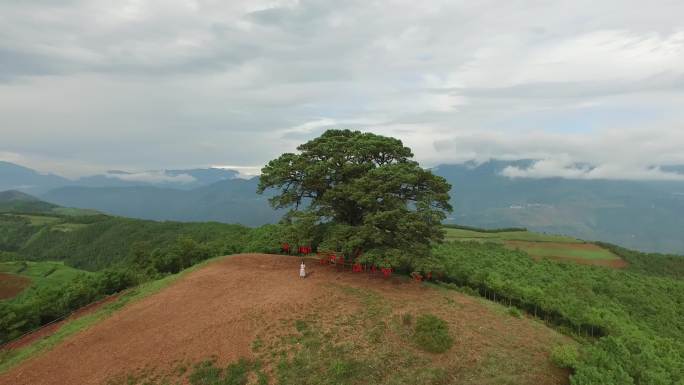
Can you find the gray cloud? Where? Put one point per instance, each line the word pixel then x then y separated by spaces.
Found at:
pixel 92 85
pixel 664 82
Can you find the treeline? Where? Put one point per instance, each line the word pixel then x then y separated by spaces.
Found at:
pixel 636 320
pixel 97 242
pixel 481 230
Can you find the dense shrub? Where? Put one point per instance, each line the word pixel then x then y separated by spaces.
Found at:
pixel 432 334
pixel 565 356
pixel 265 239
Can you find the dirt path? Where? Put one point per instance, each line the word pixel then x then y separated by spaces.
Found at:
pixel 217 310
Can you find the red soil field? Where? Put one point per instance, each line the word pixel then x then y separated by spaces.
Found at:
pixel 11 285
pixel 219 309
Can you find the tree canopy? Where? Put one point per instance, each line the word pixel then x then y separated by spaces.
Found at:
pixel 360 191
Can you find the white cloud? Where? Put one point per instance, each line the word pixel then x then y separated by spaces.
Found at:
pixel 152 177
pixel 245 172
pixel 176 83
pixel 555 168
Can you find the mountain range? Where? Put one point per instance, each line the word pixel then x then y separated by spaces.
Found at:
pixel 16 177
pixel 644 215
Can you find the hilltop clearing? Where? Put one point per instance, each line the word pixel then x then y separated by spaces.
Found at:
pixel 333 325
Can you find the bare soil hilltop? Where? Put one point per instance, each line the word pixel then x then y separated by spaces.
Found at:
pixel 254 306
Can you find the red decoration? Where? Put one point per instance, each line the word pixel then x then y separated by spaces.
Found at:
pixel 304 250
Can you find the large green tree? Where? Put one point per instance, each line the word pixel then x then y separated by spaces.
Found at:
pixel 361 192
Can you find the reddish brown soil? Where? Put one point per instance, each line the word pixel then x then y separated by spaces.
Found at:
pixel 12 284
pixel 219 309
pixel 54 327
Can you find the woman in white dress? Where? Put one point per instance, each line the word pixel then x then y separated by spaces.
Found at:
pixel 302 270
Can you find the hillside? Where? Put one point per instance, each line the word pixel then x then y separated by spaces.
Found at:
pixel 98 241
pixel 15 177
pixel 228 201
pixel 333 327
pixel 16 201
pixel 636 305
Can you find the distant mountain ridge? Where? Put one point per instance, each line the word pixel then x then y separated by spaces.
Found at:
pixel 642 215
pixel 229 201
pixel 16 177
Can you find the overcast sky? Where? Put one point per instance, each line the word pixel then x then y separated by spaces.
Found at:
pixel 87 86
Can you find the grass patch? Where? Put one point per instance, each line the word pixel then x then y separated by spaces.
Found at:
pixel 207 373
pixel 39 220
pixel 67 227
pixel 560 250
pixel 73 212
pixel 203 373
pixel 432 334
pixel 368 346
pixel 535 244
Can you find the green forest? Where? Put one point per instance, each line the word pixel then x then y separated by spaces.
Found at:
pixel 631 323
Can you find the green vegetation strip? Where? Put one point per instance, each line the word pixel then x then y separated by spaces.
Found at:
pixel 12 358
pixel 560 250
